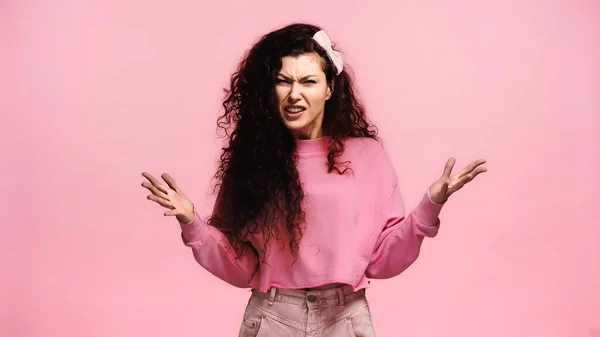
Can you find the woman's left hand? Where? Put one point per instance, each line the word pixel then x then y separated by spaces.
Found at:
pixel 447 184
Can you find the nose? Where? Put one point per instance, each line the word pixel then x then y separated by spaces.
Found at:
pixel 295 93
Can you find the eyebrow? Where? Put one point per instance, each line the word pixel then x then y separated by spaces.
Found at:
pixel 303 78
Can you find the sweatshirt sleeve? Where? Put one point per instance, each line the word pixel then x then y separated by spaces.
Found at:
pixel 399 243
pixel 213 251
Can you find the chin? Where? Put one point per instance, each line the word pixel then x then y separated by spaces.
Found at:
pixel 295 126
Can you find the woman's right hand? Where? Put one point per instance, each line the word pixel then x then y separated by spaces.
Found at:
pixel 170 196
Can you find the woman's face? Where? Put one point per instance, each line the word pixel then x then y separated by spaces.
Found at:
pixel 302 90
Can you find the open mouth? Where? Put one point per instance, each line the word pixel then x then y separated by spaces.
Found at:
pixel 294 111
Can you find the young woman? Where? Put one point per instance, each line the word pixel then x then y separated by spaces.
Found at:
pixel 308 207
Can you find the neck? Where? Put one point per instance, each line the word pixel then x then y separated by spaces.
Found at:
pixel 312 134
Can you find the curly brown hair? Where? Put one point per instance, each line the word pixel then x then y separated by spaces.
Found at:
pixel 257 175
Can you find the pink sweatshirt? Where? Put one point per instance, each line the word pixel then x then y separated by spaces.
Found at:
pixel 355 227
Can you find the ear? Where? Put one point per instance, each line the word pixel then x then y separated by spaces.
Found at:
pixel 330 90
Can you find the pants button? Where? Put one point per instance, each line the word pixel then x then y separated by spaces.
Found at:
pixel 311 298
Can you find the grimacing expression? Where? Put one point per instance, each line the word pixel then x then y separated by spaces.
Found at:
pixel 302 90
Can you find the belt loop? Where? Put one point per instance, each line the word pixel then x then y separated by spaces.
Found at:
pixel 272 295
pixel 340 291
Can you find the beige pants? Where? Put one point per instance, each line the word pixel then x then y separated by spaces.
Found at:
pixel 335 312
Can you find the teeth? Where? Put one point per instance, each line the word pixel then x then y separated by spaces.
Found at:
pixel 294 110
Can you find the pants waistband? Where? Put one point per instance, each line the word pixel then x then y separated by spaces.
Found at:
pixel 321 297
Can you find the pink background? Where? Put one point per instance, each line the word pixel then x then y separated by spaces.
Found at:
pixel 94 92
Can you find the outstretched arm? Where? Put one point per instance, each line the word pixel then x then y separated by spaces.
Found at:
pixel 399 243
pixel 211 248
pixel 213 251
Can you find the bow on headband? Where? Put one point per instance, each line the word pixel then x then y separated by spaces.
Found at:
pixel 336 58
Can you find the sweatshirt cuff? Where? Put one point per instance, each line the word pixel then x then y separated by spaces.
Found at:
pixel 194 230
pixel 428 211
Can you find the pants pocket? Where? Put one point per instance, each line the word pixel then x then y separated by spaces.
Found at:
pixel 252 323
pixel 359 324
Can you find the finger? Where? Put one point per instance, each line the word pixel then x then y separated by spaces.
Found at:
pixel 444 188
pixel 448 168
pixel 458 184
pixel 466 178
pixel 471 167
pixel 471 175
pixel 171 213
pixel 476 172
pixel 150 178
pixel 170 181
pixel 161 201
pixel 155 182
pixel 155 191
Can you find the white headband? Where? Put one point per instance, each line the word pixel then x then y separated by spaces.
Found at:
pixel 336 58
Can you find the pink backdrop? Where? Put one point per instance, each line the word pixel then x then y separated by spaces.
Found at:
pixel 94 92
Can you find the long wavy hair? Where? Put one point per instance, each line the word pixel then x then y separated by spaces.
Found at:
pixel 259 183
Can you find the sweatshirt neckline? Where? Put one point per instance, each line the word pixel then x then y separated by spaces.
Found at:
pixel 312 145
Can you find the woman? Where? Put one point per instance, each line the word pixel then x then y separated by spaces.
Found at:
pixel 308 207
